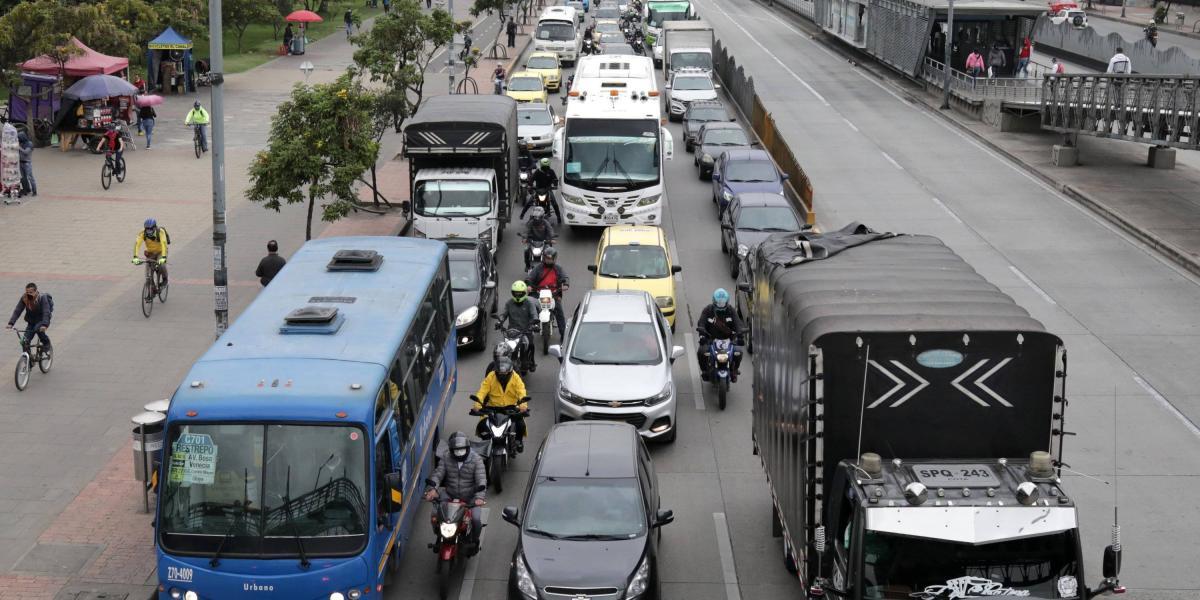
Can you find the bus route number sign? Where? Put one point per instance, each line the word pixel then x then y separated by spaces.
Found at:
pixel 193 459
pixel 955 475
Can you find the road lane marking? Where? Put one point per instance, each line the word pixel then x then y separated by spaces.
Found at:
pixel 468 584
pixel 850 124
pixel 689 341
pixel 1029 282
pixel 725 549
pixel 948 211
pixel 1188 423
pixel 891 160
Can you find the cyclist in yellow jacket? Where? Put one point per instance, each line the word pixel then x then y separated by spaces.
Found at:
pixel 503 387
pixel 198 118
pixel 155 240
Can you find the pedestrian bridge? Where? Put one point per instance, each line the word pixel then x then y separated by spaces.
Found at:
pixel 1023 92
pixel 1151 109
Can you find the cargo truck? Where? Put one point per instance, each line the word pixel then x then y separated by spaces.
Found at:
pixel 909 417
pixel 462 167
pixel 687 44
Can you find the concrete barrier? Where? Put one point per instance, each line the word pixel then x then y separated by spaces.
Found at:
pixel 1090 46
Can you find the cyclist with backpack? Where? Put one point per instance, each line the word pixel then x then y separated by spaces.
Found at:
pixel 37 308
pixel 155 240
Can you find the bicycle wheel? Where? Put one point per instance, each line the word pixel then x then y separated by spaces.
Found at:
pixel 47 360
pixel 147 299
pixel 196 145
pixel 121 169
pixel 162 285
pixel 22 375
pixel 106 175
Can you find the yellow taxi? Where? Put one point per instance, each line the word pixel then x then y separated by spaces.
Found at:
pixel 635 257
pixel 546 64
pixel 527 86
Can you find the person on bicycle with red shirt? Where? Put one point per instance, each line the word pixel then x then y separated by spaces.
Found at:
pixel 114 144
pixel 548 275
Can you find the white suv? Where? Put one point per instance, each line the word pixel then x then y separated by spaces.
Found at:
pixel 688 85
pixel 616 365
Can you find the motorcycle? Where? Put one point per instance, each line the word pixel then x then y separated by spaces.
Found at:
pixel 1151 34
pixel 518 351
pixel 589 47
pixel 452 525
pixel 721 356
pixel 546 305
pixel 499 444
pixel 636 44
pixel 533 251
pixel 543 198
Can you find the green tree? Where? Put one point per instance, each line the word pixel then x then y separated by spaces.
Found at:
pixel 481 6
pixel 46 27
pixel 240 14
pixel 188 17
pixel 137 17
pixel 321 142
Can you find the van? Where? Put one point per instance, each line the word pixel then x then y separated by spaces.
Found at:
pixel 558 32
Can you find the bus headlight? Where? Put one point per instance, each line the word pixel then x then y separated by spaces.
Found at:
pixel 573 199
pixel 648 200
pixel 190 595
pixel 337 596
pixel 175 593
pixel 467 317
pixel 664 301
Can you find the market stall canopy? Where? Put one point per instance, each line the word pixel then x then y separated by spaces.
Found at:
pixel 304 16
pixel 169 39
pixel 79 65
pixel 100 86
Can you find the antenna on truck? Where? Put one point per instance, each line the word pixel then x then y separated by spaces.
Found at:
pixel 862 411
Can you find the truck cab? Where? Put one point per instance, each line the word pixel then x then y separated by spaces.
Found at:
pixel 456 203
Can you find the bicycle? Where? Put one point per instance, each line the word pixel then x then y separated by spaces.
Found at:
pixel 197 143
pixel 31 352
pixel 112 166
pixel 154 286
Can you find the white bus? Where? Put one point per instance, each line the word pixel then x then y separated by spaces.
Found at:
pixel 615 71
pixel 610 153
pixel 558 32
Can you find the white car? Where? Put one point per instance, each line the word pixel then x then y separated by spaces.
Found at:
pixel 1077 18
pixel 687 86
pixel 535 126
pixel 658 52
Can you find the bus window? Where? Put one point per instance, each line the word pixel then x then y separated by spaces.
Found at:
pixel 383 466
pixel 388 393
pixel 405 411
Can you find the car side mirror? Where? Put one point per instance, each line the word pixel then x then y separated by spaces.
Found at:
pixel 677 269
pixel 668 86
pixel 784 176
pixel 744 286
pixel 755 144
pixel 664 516
pixel 716 86
pixel 490 284
pixel 592 268
pixel 394 485
pixel 1112 563
pixel 676 352
pixel 806 227
pixel 556 352
pixel 512 515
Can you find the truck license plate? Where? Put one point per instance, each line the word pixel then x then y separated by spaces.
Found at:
pixel 610 218
pixel 955 475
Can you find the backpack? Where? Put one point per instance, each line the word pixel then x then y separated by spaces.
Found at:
pixel 166 237
pixel 49 302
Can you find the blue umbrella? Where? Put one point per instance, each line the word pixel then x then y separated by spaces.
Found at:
pixel 95 87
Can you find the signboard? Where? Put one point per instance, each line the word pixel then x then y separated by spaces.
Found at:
pixel 956 475
pixel 193 459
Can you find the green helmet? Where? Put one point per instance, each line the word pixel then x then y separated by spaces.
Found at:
pixel 545 162
pixel 519 290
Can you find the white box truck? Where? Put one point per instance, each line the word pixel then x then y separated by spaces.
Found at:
pixel 687 44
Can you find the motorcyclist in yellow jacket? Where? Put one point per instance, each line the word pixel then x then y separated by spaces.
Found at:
pixel 503 387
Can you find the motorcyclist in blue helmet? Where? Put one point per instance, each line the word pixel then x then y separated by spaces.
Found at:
pixel 719 321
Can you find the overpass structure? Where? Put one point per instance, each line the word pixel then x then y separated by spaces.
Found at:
pixel 1152 109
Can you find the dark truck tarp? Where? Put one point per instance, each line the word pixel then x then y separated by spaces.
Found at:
pixel 464 121
pixel 945 364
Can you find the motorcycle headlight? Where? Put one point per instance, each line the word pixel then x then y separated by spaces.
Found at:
pixel 743 250
pixel 648 200
pixel 660 397
pixel 524 176
pixel 567 396
pixel 448 529
pixel 726 195
pixel 707 158
pixel 573 199
pixel 722 357
pixel 664 301
pixel 524 580
pixel 467 317
pixel 640 581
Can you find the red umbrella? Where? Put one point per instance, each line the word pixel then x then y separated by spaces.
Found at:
pixel 304 16
pixel 148 100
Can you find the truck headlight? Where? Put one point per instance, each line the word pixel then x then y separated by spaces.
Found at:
pixel 640 581
pixel 567 396
pixel 743 250
pixel 467 317
pixel 664 301
pixel 648 200
pixel 660 397
pixel 524 580
pixel 573 199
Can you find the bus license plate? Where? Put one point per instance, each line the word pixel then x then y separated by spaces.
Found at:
pixel 610 218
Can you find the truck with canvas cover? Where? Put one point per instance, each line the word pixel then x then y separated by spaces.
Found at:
pixel 462 167
pixel 909 417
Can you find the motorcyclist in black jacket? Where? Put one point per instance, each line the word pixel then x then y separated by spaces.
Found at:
pixel 544 179
pixel 719 321
pixel 462 476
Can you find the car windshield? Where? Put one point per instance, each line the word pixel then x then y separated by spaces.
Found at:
pixel 702 60
pixel 600 508
pixel 534 117
pixel 451 198
pixel 604 343
pixel 751 170
pixel 637 262
pixel 608 12
pixel 555 31
pixel 542 62
pixel 659 16
pixel 255 487
pixel 611 154
pixel 903 568
pixel 525 84
pixel 464 275
pixel 767 218
pixel 706 114
pixel 691 83
pixel 726 136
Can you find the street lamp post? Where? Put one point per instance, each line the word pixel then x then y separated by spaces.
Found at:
pixel 949 50
pixel 216 54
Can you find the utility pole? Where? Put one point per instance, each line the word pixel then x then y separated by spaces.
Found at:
pixel 1123 2
pixel 949 50
pixel 216 54
pixel 450 51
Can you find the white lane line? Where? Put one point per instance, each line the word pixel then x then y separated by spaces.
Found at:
pixel 1029 282
pixel 689 341
pixel 948 211
pixel 468 584
pixel 1191 426
pixel 850 124
pixel 891 160
pixel 725 549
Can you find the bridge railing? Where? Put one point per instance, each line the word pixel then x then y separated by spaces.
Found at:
pixel 1152 109
pixel 1025 90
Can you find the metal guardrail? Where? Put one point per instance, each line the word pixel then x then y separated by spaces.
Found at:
pixel 1151 109
pixel 1020 90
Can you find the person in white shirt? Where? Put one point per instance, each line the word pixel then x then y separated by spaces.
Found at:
pixel 1120 63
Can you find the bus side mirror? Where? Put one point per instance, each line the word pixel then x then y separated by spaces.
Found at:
pixel 1112 563
pixel 394 485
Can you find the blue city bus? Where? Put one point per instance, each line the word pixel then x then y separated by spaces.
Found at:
pixel 296 447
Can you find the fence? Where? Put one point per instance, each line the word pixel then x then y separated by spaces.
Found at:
pixel 1017 90
pixel 739 86
pixel 1151 109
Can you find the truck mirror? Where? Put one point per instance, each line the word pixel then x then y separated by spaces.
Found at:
pixel 405 206
pixel 1112 562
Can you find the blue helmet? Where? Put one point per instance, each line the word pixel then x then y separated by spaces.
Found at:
pixel 721 298
pixel 150 224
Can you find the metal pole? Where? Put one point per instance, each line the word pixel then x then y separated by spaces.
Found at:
pixel 216 53
pixel 1123 9
pixel 450 51
pixel 949 48
pixel 145 467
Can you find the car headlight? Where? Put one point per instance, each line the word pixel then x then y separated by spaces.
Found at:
pixel 448 529
pixel 467 317
pixel 660 397
pixel 707 158
pixel 726 195
pixel 573 199
pixel 485 237
pixel 664 301
pixel 640 581
pixel 524 580
pixel 743 251
pixel 648 200
pixel 569 397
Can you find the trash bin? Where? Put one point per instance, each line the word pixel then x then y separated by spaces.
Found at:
pixel 1179 19
pixel 147 442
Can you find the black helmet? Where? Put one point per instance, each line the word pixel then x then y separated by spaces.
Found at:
pixel 549 255
pixel 501 351
pixel 504 366
pixel 459 446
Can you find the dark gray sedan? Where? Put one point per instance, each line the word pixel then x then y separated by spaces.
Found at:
pixel 750 219
pixel 714 139
pixel 699 113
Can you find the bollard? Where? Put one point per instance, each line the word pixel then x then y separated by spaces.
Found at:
pixel 147 443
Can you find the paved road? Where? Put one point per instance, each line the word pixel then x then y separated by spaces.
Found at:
pixel 1127 317
pixel 1133 33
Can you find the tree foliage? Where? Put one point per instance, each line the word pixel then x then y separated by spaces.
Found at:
pixel 321 142
pixel 42 27
pixel 240 14
pixel 479 7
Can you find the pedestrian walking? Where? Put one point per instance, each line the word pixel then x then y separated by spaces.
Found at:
pixel 146 117
pixel 1119 63
pixel 1023 58
pixel 428 4
pixel 512 32
pixel 975 66
pixel 270 265
pixel 28 183
pixel 1057 66
pixel 288 36
pixel 387 6
pixel 996 61
pixel 498 79
pixel 349 19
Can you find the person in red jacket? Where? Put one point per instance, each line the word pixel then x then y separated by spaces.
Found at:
pixel 1023 58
